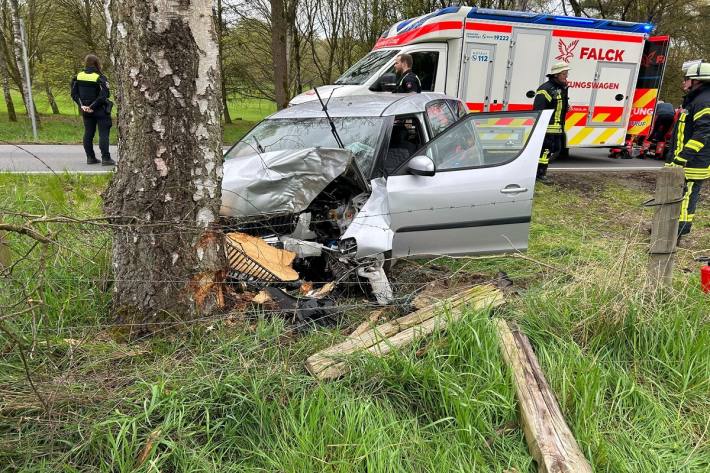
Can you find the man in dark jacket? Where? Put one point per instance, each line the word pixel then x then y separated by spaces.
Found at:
pixel 690 145
pixel 407 80
pixel 552 95
pixel 89 89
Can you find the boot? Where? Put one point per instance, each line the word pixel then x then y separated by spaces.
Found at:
pixel 91 160
pixel 107 161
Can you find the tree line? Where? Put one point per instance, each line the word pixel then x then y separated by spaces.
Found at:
pixel 275 49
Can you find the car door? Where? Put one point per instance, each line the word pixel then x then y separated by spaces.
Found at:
pixel 479 199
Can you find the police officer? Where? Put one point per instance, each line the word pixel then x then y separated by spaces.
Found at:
pixel 690 145
pixel 89 89
pixel 552 95
pixel 408 80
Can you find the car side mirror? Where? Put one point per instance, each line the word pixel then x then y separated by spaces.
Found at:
pixel 421 166
pixel 387 82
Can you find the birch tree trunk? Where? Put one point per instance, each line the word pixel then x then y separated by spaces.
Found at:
pixel 168 261
pixel 15 13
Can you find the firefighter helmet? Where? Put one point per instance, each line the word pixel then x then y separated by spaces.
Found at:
pixel 699 71
pixel 559 67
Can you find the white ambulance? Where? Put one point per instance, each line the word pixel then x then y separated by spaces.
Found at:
pixel 494 60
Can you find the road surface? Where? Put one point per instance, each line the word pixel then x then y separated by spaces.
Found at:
pixel 71 158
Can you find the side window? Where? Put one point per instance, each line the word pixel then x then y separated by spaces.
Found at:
pixel 439 116
pixel 457 107
pixel 405 139
pixel 482 140
pixel 425 64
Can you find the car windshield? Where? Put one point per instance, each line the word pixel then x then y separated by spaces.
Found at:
pixel 359 135
pixel 365 67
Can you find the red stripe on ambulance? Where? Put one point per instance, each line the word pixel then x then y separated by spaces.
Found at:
pixel 496 28
pixel 417 32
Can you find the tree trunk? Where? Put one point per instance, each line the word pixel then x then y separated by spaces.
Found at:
pixel 168 261
pixel 5 78
pixel 50 97
pixel 15 12
pixel 220 36
pixel 278 53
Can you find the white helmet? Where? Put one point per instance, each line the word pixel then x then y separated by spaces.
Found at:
pixel 700 70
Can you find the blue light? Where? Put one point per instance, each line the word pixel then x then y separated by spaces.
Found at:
pixel 647 27
pixel 574 21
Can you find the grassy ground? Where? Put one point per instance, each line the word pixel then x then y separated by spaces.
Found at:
pixel 631 372
pixel 67 128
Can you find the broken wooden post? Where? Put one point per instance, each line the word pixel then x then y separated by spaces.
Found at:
pixel 549 439
pixel 379 341
pixel 4 251
pixel 664 229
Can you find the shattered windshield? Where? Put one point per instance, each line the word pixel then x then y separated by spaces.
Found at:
pixel 359 135
pixel 365 67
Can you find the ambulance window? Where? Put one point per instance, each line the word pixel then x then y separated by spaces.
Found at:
pixel 425 66
pixel 365 67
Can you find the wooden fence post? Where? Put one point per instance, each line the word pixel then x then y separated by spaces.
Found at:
pixel 664 229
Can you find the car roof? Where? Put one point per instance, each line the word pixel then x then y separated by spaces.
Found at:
pixel 371 105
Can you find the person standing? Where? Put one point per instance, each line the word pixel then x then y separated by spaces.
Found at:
pixel 408 80
pixel 690 144
pixel 90 91
pixel 552 95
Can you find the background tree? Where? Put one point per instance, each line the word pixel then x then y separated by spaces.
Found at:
pixel 167 261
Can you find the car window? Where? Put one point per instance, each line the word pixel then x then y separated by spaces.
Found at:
pixel 457 107
pixel 439 116
pixel 480 140
pixel 406 137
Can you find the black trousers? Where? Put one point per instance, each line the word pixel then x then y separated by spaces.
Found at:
pixel 687 207
pixel 104 125
pixel 551 148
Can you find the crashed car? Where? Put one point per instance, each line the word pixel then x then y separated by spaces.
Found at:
pixel 346 185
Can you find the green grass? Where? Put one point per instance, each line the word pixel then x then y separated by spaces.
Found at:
pixel 67 127
pixel 631 372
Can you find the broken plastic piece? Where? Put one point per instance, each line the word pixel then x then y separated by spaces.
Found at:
pixel 254 257
pixel 381 288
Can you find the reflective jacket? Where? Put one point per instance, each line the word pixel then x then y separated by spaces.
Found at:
pixel 553 96
pixel 409 83
pixel 90 88
pixel 690 144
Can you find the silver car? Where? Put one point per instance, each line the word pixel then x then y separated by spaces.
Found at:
pixel 382 177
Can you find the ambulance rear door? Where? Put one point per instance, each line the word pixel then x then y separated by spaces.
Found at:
pixel 527 66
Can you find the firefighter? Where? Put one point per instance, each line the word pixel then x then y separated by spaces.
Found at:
pixel 552 95
pixel 690 144
pixel 408 80
pixel 89 89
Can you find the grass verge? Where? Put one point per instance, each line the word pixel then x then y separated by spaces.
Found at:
pixel 631 372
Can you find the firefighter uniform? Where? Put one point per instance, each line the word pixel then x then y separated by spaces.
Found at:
pixel 409 82
pixel 690 145
pixel 90 88
pixel 552 95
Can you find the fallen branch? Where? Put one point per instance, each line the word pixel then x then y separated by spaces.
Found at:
pixel 25 230
pixel 549 439
pixel 384 338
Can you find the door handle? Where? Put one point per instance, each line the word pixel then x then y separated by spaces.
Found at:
pixel 513 189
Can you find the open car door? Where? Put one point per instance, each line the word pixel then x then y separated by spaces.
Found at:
pixel 469 190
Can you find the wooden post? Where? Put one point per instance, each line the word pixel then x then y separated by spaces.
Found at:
pixel 4 251
pixel 550 441
pixel 664 229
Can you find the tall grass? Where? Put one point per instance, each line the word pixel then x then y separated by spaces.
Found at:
pixel 631 371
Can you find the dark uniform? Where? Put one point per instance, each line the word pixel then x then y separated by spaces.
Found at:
pixel 690 148
pixel 90 88
pixel 409 82
pixel 552 96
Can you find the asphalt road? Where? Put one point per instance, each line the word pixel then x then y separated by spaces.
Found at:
pixel 71 158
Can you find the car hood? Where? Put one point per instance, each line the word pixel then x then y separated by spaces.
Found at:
pixel 326 92
pixel 280 182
